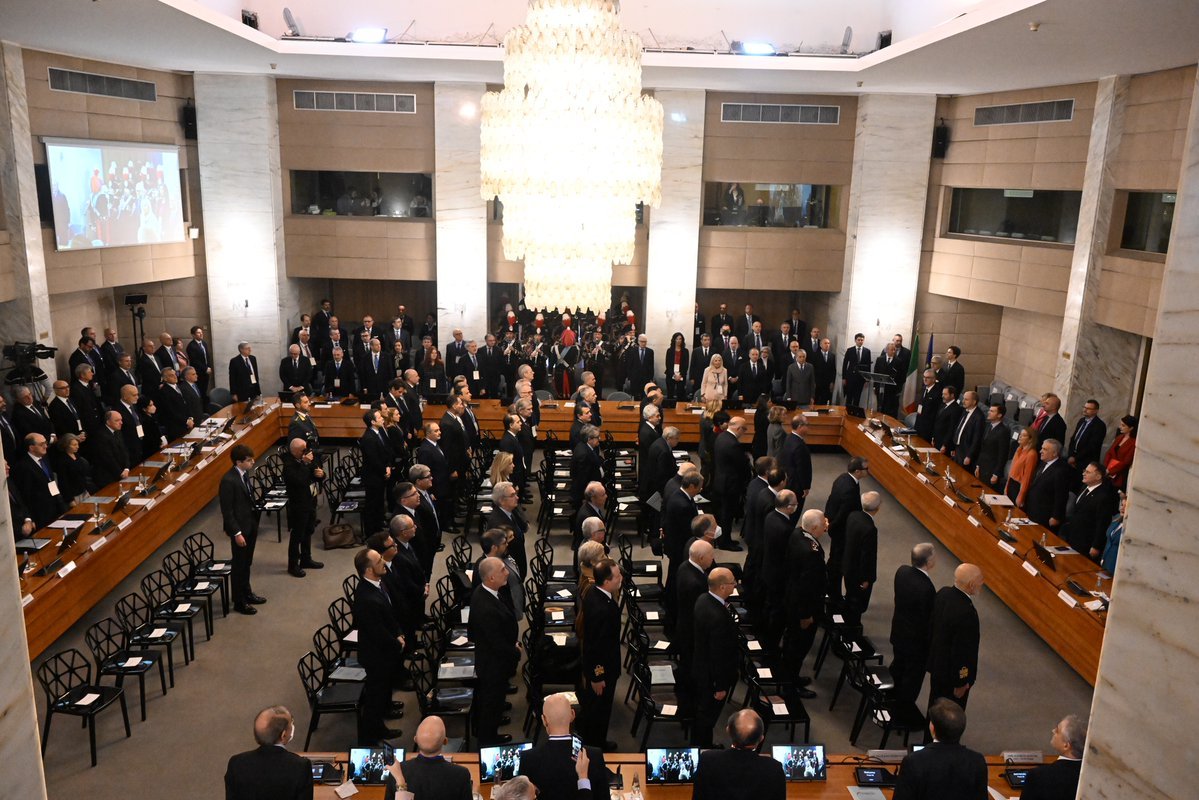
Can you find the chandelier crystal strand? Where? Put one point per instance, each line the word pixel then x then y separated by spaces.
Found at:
pixel 570 146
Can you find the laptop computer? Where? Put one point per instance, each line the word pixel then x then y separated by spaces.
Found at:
pixel 665 765
pixel 1044 556
pixel 500 763
pixel 855 411
pixel 801 762
pixel 368 765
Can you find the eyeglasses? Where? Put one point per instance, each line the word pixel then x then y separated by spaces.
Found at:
pixel 409 496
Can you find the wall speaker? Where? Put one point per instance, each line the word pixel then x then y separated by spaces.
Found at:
pixel 940 141
pixel 187 119
pixel 884 39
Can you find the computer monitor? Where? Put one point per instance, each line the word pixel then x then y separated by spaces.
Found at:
pixel 368 765
pixel 801 762
pixel 501 762
pixel 671 764
pixel 1044 556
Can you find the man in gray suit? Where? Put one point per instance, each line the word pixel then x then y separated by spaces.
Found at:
pixel 801 379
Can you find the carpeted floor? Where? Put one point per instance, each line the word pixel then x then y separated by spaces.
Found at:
pixel 180 751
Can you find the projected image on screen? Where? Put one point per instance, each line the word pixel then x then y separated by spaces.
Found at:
pixel 114 195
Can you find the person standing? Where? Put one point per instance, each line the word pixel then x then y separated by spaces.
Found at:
pixel 199 357
pixel 844 498
pixel 301 477
pixel 953 647
pixel 493 629
pixel 690 583
pixel 429 774
pixel 1049 492
pixel 804 595
pixel 270 771
pixel 993 453
pixel 601 654
pixel 244 383
pixel 796 459
pixel 380 645
pixel 928 405
pixel 732 474
pixel 714 668
pixel 860 560
pixel 911 622
pixel 856 361
pixel 968 436
pixel 377 458
pixel 1086 445
pixel 1097 503
pixel 240 522
pixel 945 768
pixel 551 766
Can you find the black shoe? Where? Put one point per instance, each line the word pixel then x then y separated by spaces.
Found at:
pixel 440 546
pixel 803 680
pixel 256 599
pixel 502 738
pixel 507 706
pixel 296 572
pixel 308 563
pixel 391 733
pixel 732 547
pixel 393 713
pixel 505 721
pixel 396 705
pixel 247 610
pixel 806 694
pixel 511 690
pixel 407 685
pixel 609 746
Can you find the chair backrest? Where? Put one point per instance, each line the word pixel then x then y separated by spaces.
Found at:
pixel 619 396
pixel 219 396
pixel 444 590
pixel 156 586
pixel 326 645
pixel 341 614
pixel 105 639
pixel 423 679
pixel 62 672
pixel 199 548
pixel 543 547
pixel 310 670
pixel 133 611
pixel 349 586
pixel 462 548
pixel 177 567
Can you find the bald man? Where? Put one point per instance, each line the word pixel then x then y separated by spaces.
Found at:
pixel 714 668
pixel 493 629
pixel 739 772
pixel 953 651
pixel 302 478
pixel 270 771
pixel 730 477
pixel 429 775
pixel 550 766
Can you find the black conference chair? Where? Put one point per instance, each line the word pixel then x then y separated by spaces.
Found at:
pixel 66 678
pixel 109 643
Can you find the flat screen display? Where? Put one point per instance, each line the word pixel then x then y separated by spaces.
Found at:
pixel 368 765
pixel 114 194
pixel 671 764
pixel 501 762
pixel 801 762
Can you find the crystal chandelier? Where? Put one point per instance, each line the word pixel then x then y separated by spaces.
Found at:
pixel 570 146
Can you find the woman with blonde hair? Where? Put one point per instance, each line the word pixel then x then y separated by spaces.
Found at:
pixel 501 467
pixel 590 554
pixel 1024 466
pixel 715 383
pixel 776 433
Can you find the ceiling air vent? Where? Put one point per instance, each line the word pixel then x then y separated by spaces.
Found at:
pixel 1025 113
pixel 65 80
pixel 780 114
pixel 310 100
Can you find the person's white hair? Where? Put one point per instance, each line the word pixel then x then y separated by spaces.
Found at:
pixel 518 788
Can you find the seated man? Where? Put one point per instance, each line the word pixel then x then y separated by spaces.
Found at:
pixel 944 768
pixel 740 773
pixel 1059 780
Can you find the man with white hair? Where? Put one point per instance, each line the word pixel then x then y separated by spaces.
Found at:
pixel 493 629
pixel 804 594
pixel 1059 780
pixel 639 366
pixel 859 562
pixel 911 624
pixel 244 382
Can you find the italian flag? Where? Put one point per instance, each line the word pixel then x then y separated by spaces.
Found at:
pixel 911 386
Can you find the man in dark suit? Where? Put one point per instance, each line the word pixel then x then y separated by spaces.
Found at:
pixel 967 437
pixel 759 501
pixel 714 669
pixel 380 645
pixel 455 443
pixel 953 646
pixel 928 404
pixel 796 459
pixel 64 414
pixel 803 593
pixel 550 766
pixel 700 358
pixel 375 371
pixel 1059 780
pixel 377 460
pixel 295 371
pixel 690 583
pixel 859 562
pixel 678 509
pixel 301 477
pixel 776 535
pixel 172 406
pixel 199 355
pixel 83 397
pixel 944 768
pixel 844 498
pixel 586 466
pixel 8 434
pixel 595 499
pixel 111 349
pixel 731 474
pixel 361 343
pixel 639 367
pixel 133 427
pixel 993 453
pixel 429 774
pixel 740 773
pixel 661 461
pixel 506 513
pixel 1049 493
pixel 493 629
pixel 953 373
pixel 856 361
pixel 946 424
pixel 490 368
pixel 755 378
pixel 270 770
pixel 87 353
pixel 28 416
pixel 240 523
pixel 341 379
pixel 244 378
pixel 720 320
pixel 110 461
pixel 36 482
pixel 149 369
pixel 1086 445
pixel 510 443
pixel 405 575
pixel 1049 423
pixel 601 654
pixel 431 454
pixel 744 324
pixel 699 327
pixel 911 622
pixel 193 395
pixel 890 365
pixel 902 353
pixel 1093 511
pixel 825 363
pixel 428 521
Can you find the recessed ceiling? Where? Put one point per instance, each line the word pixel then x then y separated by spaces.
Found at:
pixel 987 47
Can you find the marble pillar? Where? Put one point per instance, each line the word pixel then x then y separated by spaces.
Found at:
pixel 250 297
pixel 888 193
pixel 673 257
pixel 27 317
pixel 1093 360
pixel 1145 704
pixel 460 211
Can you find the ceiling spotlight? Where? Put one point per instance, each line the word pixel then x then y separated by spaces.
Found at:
pixel 368 35
pixel 468 110
pixel 753 48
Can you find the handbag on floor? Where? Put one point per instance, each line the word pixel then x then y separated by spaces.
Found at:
pixel 339 536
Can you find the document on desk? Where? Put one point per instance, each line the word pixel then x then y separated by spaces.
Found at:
pixel 347 789
pixel 998 500
pixel 866 793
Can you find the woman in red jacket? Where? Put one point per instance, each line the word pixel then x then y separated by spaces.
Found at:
pixel 1119 456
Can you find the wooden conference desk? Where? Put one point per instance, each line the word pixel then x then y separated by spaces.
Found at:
pixel 840 777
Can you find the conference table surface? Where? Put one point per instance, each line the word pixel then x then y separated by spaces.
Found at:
pixel 840 776
pixel 1039 593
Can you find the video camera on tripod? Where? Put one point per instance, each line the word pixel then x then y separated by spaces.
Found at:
pixel 24 356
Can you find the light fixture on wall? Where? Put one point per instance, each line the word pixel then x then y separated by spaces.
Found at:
pixel 367 35
pixel 571 146
pixel 753 48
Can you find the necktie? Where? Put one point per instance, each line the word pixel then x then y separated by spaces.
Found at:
pixel 755 369
pixel 859 354
pixel 1082 429
pixel 643 355
pixel 758 341
pixel 130 377
pixel 376 362
pixel 245 479
pixel 295 363
pixel 962 426
pixel 248 367
pixel 4 424
pixel 46 469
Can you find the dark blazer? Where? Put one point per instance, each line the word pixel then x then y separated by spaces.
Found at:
pixel 1087 446
pixel 438 463
pixel 928 404
pixel 237 507
pixel 1049 493
pixel 493 629
pixel 344 374
pixel 677 513
pixel 374 382
pixel 116 380
pixel 859 562
pixel 699 362
pixel 409 577
pixel 165 356
pixel 801 383
pixel 172 411
pixel 946 425
pixel 88 406
pixel 1093 512
pixel 377 622
pixel 993 455
pixel 27 420
pixel 111 353
pixel 432 778
pixel 193 399
pixel 954 375
pixel 301 503
pixel 718 323
pixel 689 585
pixel 510 443
pixel 299 374
pixel 738 775
pixel 586 511
pixel 911 622
pixel 1054 428
pixel 240 385
pixel 731 470
pixel 134 444
pixel 942 771
pixel 844 498
pixel 684 366
pixel 199 357
pixel 758 502
pixel 1056 781
pixel 796 461
pixel 953 648
pixel 453 442
pixel 551 769
pixel 64 419
pixel 661 466
pixel 377 456
pixel 714 666
pixel 108 456
pixel 804 591
pixel 639 371
pixel 972 436
pixel 601 637
pixel 33 487
pixel 754 385
pixel 74 474
pixel 776 532
pixel 268 772
pixel 585 466
pixel 826 369
pixel 8 434
pixel 149 371
pixel 852 364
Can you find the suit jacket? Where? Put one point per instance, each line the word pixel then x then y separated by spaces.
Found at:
pixel 65 418
pixel 551 769
pixel 1056 781
pixel 993 455
pixel 743 324
pixel 374 382
pixel 199 357
pixel 1087 446
pixel 493 629
pixel 796 461
pixel 1093 512
pixel 801 383
pixel 852 364
pixel 130 421
pixel 149 371
pixel 716 654
pixel 897 370
pixel 27 420
pixel 1049 493
pixel 805 584
pixel 754 381
pixel 638 369
pixel 751 525
pixel 108 456
pixel 1054 428
pixel 826 368
pixel 970 442
pixel 776 533
pixel 111 353
pixel 377 621
pixel 116 380
pixel 738 775
pixel 844 498
pixel 953 647
pixel 432 778
pixel 942 770
pixel 297 374
pixel 718 323
pixel 601 637
pixel 237 507
pixel 690 583
pixel 33 487
pixel 510 443
pixel 517 522
pixel 269 771
pixel 166 358
pixel 677 512
pixel 731 470
pixel 954 375
pixel 661 466
pixel 859 563
pixel 646 436
pixel 946 425
pixel 911 622
pixel 301 502
pixel 193 400
pixel 927 407
pixel 172 410
pixel 241 384
pixel 408 578
pixel 585 466
pixel 9 437
pixel 438 463
pixel 85 402
pixel 684 367
pixel 454 442
pixel 699 363
pixel 302 426
pixel 340 380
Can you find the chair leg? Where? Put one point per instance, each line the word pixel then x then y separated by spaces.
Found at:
pixel 91 735
pixel 649 724
pixel 171 662
pixel 840 683
pixel 886 735
pixel 316 715
pixel 125 715
pixel 141 683
pixel 46 730
pixel 162 675
pixel 822 653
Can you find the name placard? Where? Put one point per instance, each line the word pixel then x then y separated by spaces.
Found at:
pixel 1006 547
pixel 1030 569
pixel 96 545
pixel 947 500
pixel 67 570
pixel 974 522
pixel 1067 598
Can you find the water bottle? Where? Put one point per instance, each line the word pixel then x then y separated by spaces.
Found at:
pixel 635 793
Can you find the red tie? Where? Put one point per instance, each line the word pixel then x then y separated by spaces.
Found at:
pixel 1040 420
